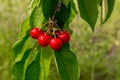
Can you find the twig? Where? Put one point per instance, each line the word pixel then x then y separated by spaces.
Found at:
pixel 56 9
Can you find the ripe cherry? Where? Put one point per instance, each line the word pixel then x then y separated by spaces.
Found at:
pixel 44 40
pixel 55 43
pixel 58 32
pixel 35 32
pixel 65 37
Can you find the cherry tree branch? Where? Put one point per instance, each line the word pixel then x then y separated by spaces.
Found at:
pixel 56 9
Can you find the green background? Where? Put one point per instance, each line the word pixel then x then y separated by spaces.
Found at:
pixel 98 52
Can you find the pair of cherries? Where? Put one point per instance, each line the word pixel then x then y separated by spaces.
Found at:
pixel 45 39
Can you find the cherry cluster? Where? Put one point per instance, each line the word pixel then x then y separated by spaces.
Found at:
pixel 54 39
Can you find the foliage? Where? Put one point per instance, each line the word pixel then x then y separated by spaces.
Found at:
pixel 66 60
pixel 81 51
pixel 38 15
pixel 97 52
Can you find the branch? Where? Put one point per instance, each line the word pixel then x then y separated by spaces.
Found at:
pixel 56 9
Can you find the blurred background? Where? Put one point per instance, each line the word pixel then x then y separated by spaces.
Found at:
pixel 98 52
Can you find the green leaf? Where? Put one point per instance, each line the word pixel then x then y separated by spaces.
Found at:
pixel 19 45
pixel 17 70
pixel 33 70
pixel 88 11
pixel 73 12
pixel 38 68
pixel 37 17
pixel 48 8
pixel 33 4
pixel 67 64
pixel 45 61
pixel 66 27
pixel 107 8
pixel 63 15
pixel 99 2
pixel 25 26
pixel 66 2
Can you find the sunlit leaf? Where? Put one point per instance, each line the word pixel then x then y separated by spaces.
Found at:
pixel 45 61
pixel 73 12
pixel 37 17
pixel 25 26
pixel 107 8
pixel 33 4
pixel 65 2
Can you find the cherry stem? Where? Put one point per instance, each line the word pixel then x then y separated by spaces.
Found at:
pixel 59 29
pixel 56 9
pixel 54 35
pixel 44 24
pixel 52 22
pixel 48 31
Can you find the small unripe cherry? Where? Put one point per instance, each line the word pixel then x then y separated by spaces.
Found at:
pixel 44 40
pixel 35 32
pixel 65 37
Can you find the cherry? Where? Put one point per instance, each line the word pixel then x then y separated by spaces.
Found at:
pixel 58 32
pixel 65 37
pixel 35 32
pixel 55 43
pixel 44 40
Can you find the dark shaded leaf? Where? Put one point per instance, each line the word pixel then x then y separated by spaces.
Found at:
pixel 48 7
pixel 67 64
pixel 19 45
pixel 88 11
pixel 17 70
pixel 33 70
pixel 62 16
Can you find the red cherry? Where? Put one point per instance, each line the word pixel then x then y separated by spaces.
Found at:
pixel 44 32
pixel 44 40
pixel 55 44
pixel 57 32
pixel 65 37
pixel 35 32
